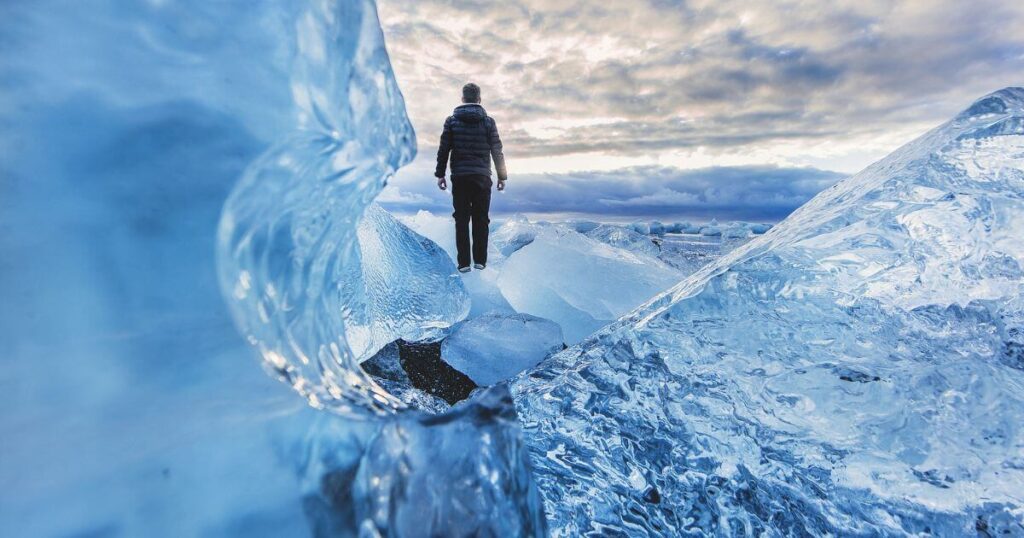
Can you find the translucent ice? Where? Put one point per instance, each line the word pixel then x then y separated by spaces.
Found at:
pixel 410 288
pixel 514 234
pixel 854 371
pixel 495 347
pixel 463 474
pixel 624 237
pixel 578 282
pixel 288 256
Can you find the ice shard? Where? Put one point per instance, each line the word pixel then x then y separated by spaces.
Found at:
pixel 289 260
pixel 854 371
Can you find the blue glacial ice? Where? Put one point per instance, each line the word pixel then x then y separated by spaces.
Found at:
pixel 857 370
pixel 131 405
pixel 624 237
pixel 578 282
pixel 495 347
pixel 410 288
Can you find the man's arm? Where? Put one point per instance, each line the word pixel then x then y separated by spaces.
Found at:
pixel 444 149
pixel 496 154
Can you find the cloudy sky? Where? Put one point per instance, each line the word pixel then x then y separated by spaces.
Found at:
pixel 692 109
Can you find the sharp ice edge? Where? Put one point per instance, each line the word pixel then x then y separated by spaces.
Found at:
pixel 856 370
pixel 316 290
pixel 289 261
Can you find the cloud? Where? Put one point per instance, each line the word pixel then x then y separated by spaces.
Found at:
pixel 698 107
pixel 728 75
pixel 745 192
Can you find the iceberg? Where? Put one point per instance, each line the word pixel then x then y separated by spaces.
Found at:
pixel 495 347
pixel 856 370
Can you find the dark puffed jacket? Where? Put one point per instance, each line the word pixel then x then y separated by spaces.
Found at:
pixel 471 137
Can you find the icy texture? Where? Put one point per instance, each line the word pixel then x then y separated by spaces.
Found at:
pixel 514 234
pixel 854 371
pixel 463 474
pixel 496 347
pixel 578 282
pixel 131 406
pixel 289 261
pixel 481 286
pixel 409 286
pixel 641 228
pixel 622 237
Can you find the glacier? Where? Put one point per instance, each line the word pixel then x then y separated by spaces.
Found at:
pixel 854 371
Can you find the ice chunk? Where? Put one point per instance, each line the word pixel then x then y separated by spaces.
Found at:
pixel 578 282
pixel 853 372
pixel 622 237
pixel 481 286
pixel 410 287
pixel 710 230
pixel 760 228
pixel 288 256
pixel 495 347
pixel 657 228
pixel 514 234
pixel 438 228
pixel 465 475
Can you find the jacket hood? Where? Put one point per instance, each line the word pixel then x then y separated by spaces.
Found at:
pixel 470 113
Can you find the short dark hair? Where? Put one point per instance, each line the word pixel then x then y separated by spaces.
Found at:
pixel 471 93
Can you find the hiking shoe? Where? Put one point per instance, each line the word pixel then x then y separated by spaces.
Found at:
pixel 478 266
pixel 464 269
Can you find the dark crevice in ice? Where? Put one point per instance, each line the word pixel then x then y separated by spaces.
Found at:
pixel 422 362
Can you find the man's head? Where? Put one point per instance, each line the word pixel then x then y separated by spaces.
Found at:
pixel 471 93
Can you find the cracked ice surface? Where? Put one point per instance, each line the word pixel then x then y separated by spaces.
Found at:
pixel 856 370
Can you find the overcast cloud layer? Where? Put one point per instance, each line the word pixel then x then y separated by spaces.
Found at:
pixel 684 90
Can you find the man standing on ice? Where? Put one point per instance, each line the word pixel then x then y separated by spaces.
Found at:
pixel 471 137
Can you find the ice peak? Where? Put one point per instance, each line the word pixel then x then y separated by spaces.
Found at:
pixel 997 102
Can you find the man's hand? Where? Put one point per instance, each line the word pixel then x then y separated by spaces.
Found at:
pixel 501 184
pixel 441 183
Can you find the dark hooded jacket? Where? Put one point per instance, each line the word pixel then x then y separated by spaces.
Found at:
pixel 471 137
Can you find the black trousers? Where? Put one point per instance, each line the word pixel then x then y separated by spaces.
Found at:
pixel 471 196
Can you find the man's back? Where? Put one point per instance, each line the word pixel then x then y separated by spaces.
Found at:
pixel 471 138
